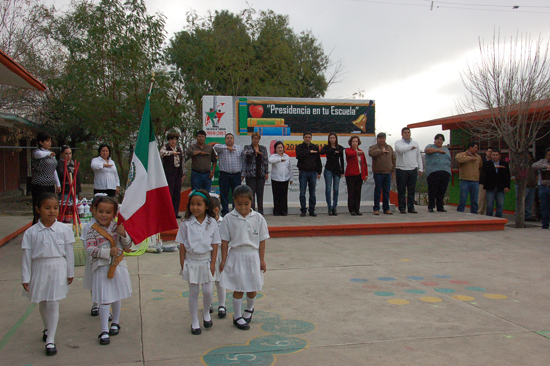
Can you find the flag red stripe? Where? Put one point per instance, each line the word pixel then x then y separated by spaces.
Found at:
pixel 155 216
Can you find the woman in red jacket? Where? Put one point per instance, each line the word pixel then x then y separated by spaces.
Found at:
pixel 356 173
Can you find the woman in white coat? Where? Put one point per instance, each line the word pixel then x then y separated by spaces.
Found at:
pixel 281 175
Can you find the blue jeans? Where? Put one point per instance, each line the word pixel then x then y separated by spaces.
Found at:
pixel 382 184
pixel 493 196
pixel 472 188
pixel 307 179
pixel 544 197
pixel 529 201
pixel 332 181
pixel 228 182
pixel 201 181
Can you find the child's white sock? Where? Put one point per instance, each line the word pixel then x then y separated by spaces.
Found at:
pixel 104 317
pixel 207 298
pixel 52 318
pixel 43 307
pixel 194 305
pixel 221 294
pixel 249 306
pixel 237 303
pixel 116 306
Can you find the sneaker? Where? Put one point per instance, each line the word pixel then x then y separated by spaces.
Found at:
pixel 377 213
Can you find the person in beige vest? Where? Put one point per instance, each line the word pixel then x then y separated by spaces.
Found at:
pixel 469 163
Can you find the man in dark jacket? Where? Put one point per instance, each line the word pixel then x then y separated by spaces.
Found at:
pixel 310 168
pixel 497 182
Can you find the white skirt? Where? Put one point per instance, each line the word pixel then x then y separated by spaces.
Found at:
pixel 88 273
pixel 242 271
pixel 196 268
pixel 107 290
pixel 48 280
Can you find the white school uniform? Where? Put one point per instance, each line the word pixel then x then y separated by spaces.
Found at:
pixel 198 239
pixel 107 290
pixel 242 271
pixel 48 260
pixel 88 267
pixel 219 257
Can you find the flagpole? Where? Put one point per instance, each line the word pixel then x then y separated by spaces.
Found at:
pixel 152 82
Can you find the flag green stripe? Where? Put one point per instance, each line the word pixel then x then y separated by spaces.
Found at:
pixel 145 136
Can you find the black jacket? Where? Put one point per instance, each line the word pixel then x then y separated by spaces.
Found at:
pixel 335 162
pixel 307 161
pixel 494 179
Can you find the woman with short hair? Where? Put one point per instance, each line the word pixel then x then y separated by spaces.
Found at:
pixel 281 175
pixel 438 171
pixel 172 162
pixel 106 180
pixel 255 170
pixel 43 168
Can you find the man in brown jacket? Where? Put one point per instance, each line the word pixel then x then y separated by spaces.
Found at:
pixel 469 163
pixel 383 167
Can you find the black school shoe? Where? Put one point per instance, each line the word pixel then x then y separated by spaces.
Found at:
pixel 104 340
pixel 94 311
pixel 248 320
pixel 44 335
pixel 114 329
pixel 241 326
pixel 195 331
pixel 222 311
pixel 50 351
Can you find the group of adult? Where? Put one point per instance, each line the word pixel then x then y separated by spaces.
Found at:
pixel 485 180
pixel 51 175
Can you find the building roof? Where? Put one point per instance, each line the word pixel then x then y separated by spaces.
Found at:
pixel 452 122
pixel 11 73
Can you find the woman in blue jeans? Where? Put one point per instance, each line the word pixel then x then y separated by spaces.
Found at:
pixel 334 170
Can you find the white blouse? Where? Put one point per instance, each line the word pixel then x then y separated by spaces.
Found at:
pixel 105 177
pixel 198 238
pixel 281 171
pixel 39 242
pixel 244 231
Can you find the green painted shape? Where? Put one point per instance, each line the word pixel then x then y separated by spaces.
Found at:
pixel 544 333
pixel 259 351
pixel 16 326
pixel 266 317
pixel 287 327
pixel 157 298
pixel 157 290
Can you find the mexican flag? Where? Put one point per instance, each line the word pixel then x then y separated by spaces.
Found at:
pixel 147 206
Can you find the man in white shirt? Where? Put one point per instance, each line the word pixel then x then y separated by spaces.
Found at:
pixel 230 159
pixel 408 166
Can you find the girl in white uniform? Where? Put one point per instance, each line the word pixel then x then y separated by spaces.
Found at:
pixel 245 232
pixel 222 311
pixel 108 292
pixel 199 235
pixel 48 264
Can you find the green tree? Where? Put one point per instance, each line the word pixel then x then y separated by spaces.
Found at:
pixel 247 54
pixel 110 49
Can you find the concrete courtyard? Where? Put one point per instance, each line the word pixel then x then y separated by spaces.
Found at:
pixel 478 298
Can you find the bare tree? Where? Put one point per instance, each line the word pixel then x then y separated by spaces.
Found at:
pixel 507 99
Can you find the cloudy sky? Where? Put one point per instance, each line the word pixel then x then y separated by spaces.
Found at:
pixel 401 53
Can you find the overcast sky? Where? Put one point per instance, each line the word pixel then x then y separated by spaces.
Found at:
pixel 403 55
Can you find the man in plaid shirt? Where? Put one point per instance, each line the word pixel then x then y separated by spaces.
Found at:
pixel 231 167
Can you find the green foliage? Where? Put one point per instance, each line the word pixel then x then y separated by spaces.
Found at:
pixel 110 49
pixel 245 54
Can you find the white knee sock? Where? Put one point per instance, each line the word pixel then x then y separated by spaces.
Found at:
pixel 207 298
pixel 43 307
pixel 116 311
pixel 194 305
pixel 249 306
pixel 237 303
pixel 221 294
pixel 52 318
pixel 104 317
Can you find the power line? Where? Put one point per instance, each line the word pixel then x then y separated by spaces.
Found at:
pixel 463 7
pixel 490 5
